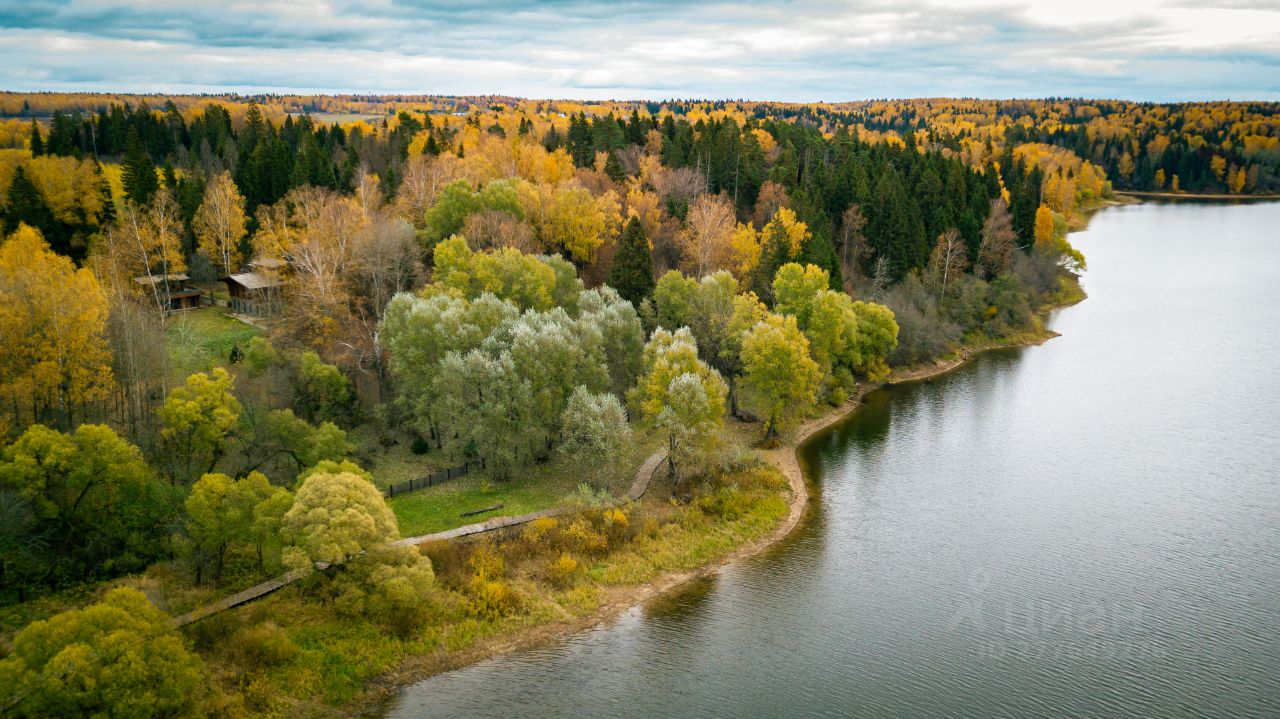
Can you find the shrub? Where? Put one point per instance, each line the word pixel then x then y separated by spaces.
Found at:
pixel 265 644
pixel 539 530
pixel 486 563
pixel 561 571
pixel 726 503
pixel 651 527
pixel 579 537
pixel 584 497
pixel 419 445
pixel 491 599
pixel 617 526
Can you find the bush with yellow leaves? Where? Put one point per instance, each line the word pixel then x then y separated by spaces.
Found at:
pixel 581 538
pixel 562 571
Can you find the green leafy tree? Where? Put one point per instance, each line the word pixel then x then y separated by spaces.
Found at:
pixel 552 355
pixel 215 519
pixel 419 332
pixel 779 378
pixel 596 435
pixel 280 434
pixel 876 337
pixel 321 391
pixel 682 396
pixel 490 410
pixel 675 298
pixel 747 311
pixel 196 421
pixel 335 517
pixel 93 495
pixel 620 333
pixel 710 316
pixel 222 512
pixel 506 273
pixel 458 200
pixel 794 288
pixel 632 271
pixel 117 658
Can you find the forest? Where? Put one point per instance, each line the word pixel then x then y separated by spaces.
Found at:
pixel 231 320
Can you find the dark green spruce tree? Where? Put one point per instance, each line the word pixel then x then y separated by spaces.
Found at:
pixel 37 144
pixel 25 204
pixel 632 271
pixel 139 173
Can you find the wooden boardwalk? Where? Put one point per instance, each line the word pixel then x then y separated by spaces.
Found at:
pixel 639 486
pixel 247 595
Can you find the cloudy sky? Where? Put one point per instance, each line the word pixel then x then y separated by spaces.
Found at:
pixel 801 50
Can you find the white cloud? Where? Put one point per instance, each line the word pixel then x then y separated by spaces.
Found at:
pixel 802 50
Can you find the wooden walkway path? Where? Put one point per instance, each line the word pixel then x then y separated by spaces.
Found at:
pixel 639 486
pixel 247 595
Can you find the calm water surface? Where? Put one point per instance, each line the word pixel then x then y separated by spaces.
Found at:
pixel 1088 528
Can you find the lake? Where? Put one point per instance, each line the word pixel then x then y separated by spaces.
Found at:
pixel 1086 528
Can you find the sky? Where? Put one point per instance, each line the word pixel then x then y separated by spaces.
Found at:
pixel 786 50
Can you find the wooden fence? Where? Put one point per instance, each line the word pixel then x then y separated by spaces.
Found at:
pixel 431 480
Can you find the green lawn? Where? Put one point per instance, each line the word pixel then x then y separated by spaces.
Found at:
pixel 200 340
pixel 543 486
pixel 439 508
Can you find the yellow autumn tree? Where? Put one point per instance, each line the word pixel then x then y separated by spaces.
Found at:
pixel 54 321
pixel 785 224
pixel 145 244
pixel 1044 227
pixel 219 224
pixel 745 246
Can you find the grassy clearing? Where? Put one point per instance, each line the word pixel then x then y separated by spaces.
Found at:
pixel 293 654
pixel 341 118
pixel 395 463
pixel 199 340
pixel 437 508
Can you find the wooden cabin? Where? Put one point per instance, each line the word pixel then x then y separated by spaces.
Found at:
pixel 172 291
pixel 256 293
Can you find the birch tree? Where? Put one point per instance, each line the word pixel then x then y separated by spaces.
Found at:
pixel 219 224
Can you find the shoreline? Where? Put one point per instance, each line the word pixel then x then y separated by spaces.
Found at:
pixel 1216 197
pixel 784 457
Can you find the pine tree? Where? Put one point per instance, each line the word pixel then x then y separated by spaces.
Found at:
pixel 139 174
pixel 37 144
pixel 632 271
pixel 107 215
pixel 613 167
pixel 894 227
pixel 25 204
